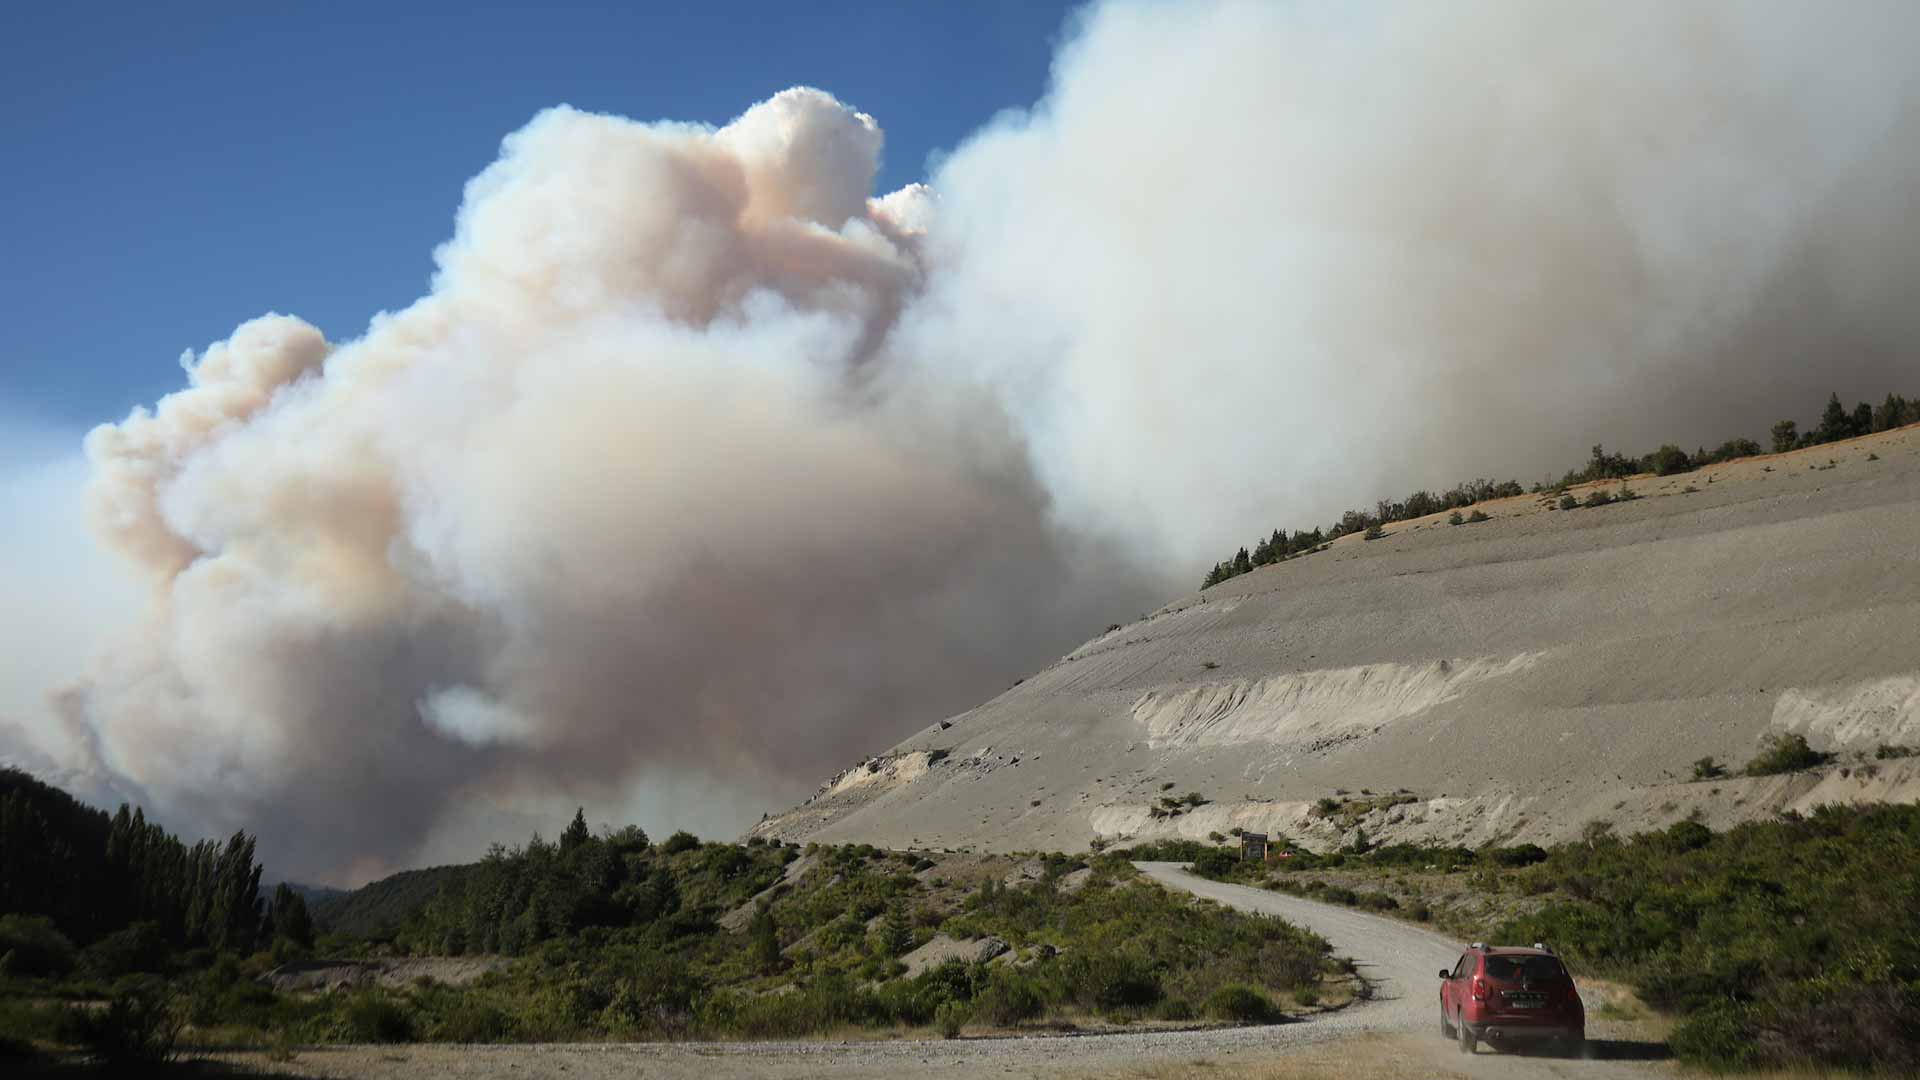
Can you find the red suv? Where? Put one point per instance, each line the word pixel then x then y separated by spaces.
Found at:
pixel 1508 995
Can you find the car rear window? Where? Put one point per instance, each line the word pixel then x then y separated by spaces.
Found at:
pixel 1506 968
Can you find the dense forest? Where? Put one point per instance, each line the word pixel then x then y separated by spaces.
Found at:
pixel 121 891
pixel 1837 422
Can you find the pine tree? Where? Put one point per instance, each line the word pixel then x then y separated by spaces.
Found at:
pixel 1862 419
pixel 1835 424
pixel 576 832
pixel 1786 434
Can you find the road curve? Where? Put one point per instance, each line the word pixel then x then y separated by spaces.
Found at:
pixel 1396 1032
pixel 1402 961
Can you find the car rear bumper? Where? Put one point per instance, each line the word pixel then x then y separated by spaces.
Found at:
pixel 1501 1031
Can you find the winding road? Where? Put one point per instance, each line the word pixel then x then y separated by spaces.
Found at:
pixel 1393 1035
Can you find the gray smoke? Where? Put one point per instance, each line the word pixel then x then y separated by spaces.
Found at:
pixel 701 472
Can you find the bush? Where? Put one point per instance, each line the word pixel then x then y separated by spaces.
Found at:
pixel 679 842
pixel 138 1027
pixel 33 948
pixel 1598 498
pixel 949 1017
pixel 1786 753
pixel 1111 979
pixel 372 1017
pixel 138 948
pixel 1708 769
pixel 1241 1004
pixel 1374 532
pixel 1568 502
pixel 1669 460
pixel 1521 855
pixel 1215 863
pixel 1477 516
pixel 1455 518
pixel 473 1022
pixel 1889 751
pixel 1009 1000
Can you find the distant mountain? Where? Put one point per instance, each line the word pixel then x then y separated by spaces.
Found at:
pixel 378 908
pixel 312 894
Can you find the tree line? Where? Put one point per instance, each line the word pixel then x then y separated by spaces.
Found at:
pixel 81 875
pixel 1837 422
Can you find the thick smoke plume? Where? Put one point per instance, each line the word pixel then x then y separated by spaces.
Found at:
pixel 702 470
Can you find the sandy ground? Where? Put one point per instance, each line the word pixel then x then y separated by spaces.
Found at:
pixel 1520 677
pixel 1393 1035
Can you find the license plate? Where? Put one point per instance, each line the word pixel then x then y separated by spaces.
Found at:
pixel 1527 1004
pixel 1527 1001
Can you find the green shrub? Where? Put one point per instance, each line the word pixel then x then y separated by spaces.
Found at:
pixel 1889 751
pixel 1598 498
pixel 137 948
pixel 33 947
pixel 1215 863
pixel 1669 460
pixel 1176 1009
pixel 1455 518
pixel 373 1017
pixel 950 1017
pixel 1568 502
pixel 138 1027
pixel 1708 769
pixel 1521 855
pixel 679 842
pixel 1374 532
pixel 1010 999
pixel 1786 753
pixel 1240 1003
pixel 473 1021
pixel 1107 979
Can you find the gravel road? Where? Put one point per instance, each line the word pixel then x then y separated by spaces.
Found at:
pixel 1393 1035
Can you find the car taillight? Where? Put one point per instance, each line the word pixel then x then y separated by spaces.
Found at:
pixel 1479 988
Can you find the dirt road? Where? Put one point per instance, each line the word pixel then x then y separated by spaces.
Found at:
pixel 1394 1035
pixel 1403 963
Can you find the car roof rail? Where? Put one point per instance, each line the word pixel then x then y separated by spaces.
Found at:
pixel 1542 947
pixel 1478 945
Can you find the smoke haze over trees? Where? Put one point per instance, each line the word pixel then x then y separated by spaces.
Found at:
pixel 703 469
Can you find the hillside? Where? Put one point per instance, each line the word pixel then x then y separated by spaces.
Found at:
pixel 1508 680
pixel 379 907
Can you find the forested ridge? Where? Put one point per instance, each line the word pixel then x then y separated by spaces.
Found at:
pixel 1837 422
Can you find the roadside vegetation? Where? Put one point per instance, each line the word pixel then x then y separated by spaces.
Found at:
pixel 611 936
pixel 1836 423
pixel 1774 944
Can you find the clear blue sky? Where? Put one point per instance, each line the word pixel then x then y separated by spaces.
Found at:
pixel 173 169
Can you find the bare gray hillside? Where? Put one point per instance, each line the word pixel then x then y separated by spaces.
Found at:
pixel 1508 680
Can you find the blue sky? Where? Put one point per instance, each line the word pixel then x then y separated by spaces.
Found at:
pixel 172 170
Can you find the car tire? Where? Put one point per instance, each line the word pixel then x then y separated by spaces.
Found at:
pixel 1467 1039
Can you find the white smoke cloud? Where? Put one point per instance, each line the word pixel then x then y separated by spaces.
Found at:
pixel 630 494
pixel 1250 264
pixel 701 470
